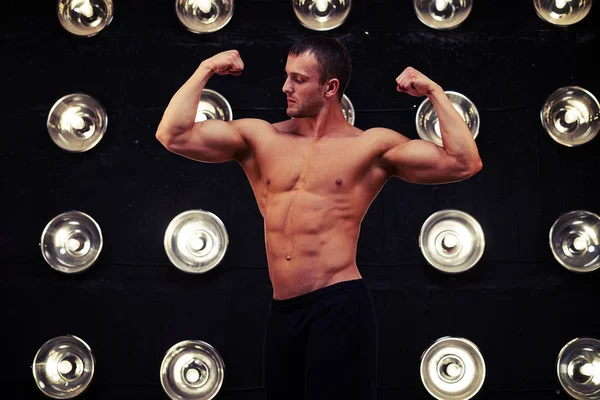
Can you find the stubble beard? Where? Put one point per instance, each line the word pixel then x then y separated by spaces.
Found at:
pixel 305 111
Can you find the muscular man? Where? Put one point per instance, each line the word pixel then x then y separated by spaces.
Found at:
pixel 314 177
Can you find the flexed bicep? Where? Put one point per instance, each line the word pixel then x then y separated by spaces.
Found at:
pixel 424 162
pixel 211 141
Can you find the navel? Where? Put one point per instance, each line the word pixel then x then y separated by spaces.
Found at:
pixel 268 181
pixel 288 258
pixel 339 181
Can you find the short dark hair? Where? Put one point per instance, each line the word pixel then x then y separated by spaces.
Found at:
pixel 332 58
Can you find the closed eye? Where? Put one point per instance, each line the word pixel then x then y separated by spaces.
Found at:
pixel 296 78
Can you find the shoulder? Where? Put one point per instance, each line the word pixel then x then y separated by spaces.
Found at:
pixel 252 129
pixel 257 133
pixel 250 124
pixel 385 138
pixel 288 125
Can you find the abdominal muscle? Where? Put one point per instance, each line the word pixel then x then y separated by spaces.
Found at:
pixel 310 241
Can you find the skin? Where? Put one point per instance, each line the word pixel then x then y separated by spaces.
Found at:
pixel 314 176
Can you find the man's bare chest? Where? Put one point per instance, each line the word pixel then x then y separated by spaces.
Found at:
pixel 315 167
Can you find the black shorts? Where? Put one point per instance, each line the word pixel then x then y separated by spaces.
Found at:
pixel 322 345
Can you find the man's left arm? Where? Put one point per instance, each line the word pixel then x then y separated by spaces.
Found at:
pixel 422 161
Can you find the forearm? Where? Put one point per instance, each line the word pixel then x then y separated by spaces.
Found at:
pixel 180 114
pixel 457 139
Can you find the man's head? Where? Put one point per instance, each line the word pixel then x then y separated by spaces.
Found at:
pixel 318 68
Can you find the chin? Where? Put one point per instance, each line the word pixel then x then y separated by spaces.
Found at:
pixel 293 113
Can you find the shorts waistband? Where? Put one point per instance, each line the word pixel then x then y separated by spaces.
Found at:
pixel 316 295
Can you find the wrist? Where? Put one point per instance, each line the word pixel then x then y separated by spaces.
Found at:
pixel 206 67
pixel 435 90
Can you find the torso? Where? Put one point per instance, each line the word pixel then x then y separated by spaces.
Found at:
pixel 313 197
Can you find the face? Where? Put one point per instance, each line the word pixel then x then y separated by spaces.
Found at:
pixel 305 97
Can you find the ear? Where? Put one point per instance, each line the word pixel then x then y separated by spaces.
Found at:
pixel 331 87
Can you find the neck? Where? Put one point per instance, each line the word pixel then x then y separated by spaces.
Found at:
pixel 327 123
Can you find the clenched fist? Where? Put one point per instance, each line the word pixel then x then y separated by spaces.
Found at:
pixel 227 62
pixel 414 83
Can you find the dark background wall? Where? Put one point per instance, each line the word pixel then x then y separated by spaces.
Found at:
pixel 517 304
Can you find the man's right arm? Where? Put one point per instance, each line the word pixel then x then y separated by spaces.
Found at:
pixel 207 141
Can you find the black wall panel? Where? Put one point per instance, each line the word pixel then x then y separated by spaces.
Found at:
pixel 517 304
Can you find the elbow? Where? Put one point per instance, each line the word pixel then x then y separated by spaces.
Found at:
pixel 467 170
pixel 478 166
pixel 169 135
pixel 164 137
pixel 161 136
pixel 473 168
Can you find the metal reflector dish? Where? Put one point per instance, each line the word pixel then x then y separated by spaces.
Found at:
pixel 213 105
pixel 575 240
pixel 63 367
pixel 77 122
pixel 321 15
pixel 428 124
pixel 347 109
pixel 196 241
pixel 192 369
pixel 571 116
pixel 71 242
pixel 578 368
pixel 562 12
pixel 85 17
pixel 451 241
pixel 204 16
pixel 452 369
pixel 442 14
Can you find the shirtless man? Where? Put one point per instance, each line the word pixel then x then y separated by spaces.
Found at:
pixel 314 177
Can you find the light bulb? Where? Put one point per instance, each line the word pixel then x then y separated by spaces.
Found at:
pixel 441 4
pixel 192 375
pixel 200 117
pixel 579 243
pixel 321 5
pixel 70 118
pixel 196 243
pixel 587 369
pixel 204 5
pixel 86 9
pixel 77 122
pixel 64 367
pixel 449 242
pixel 453 370
pixel 73 244
pixel 561 4
pixel 570 116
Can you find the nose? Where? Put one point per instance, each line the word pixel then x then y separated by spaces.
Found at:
pixel 287 87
